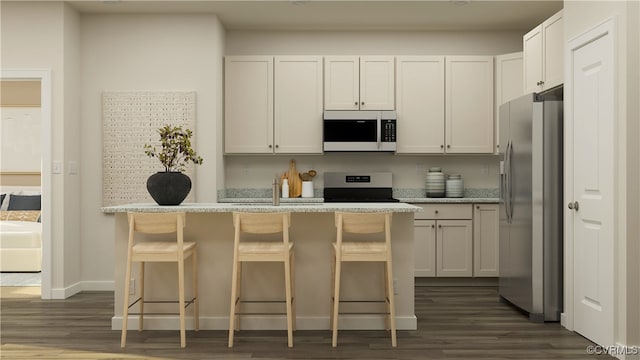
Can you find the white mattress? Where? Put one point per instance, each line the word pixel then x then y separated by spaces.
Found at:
pixel 20 234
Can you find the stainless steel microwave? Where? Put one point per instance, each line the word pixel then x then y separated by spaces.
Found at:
pixel 359 130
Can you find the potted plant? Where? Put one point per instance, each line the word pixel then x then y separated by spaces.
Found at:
pixel 171 186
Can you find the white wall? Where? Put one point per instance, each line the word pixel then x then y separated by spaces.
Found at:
pixel 580 16
pixel 144 52
pixel 372 42
pixel 409 171
pixel 33 35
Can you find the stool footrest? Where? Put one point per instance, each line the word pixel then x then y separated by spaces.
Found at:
pixel 139 300
pixel 363 313
pixel 261 313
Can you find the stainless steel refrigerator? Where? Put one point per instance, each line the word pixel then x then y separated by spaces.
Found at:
pixel 531 205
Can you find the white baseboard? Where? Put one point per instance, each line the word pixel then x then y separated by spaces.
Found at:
pixel 253 322
pixel 63 293
pixel 98 285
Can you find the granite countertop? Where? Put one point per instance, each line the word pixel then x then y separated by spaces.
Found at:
pixel 299 207
pixel 415 196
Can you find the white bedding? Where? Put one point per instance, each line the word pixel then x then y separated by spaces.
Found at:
pixel 20 246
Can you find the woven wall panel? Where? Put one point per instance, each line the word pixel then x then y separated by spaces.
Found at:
pixel 130 120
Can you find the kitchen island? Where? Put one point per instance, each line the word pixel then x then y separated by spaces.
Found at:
pixel 312 231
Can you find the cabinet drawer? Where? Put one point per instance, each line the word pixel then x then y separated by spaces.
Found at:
pixel 444 211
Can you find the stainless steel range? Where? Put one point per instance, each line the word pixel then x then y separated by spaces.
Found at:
pixel 358 187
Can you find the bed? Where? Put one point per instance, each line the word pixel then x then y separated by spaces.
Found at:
pixel 20 230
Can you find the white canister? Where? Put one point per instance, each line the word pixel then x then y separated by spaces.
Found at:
pixel 454 186
pixel 307 189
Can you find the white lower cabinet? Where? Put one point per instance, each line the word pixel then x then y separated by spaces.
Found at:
pixel 452 240
pixel 443 241
pixel 485 240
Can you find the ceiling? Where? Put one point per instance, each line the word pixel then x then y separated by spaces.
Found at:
pixel 433 15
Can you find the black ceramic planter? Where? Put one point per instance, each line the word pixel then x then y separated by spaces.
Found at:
pixel 169 188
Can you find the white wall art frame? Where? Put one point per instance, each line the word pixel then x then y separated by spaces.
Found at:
pixel 131 119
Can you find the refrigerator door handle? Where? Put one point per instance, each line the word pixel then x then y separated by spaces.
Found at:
pixel 507 185
pixel 510 185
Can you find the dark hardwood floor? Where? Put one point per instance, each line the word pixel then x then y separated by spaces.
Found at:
pixel 453 323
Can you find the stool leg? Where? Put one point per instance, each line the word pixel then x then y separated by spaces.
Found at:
pixel 333 279
pixel 387 305
pixel 392 305
pixel 233 301
pixel 287 289
pixel 238 295
pixel 336 302
pixel 293 289
pixel 141 317
pixel 125 309
pixel 183 341
pixel 196 302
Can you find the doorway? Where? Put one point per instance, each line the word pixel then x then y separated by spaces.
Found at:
pixel 44 77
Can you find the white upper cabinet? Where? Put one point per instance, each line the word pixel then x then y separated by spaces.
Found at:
pixel 269 111
pixel 298 104
pixel 543 55
pixel 420 104
pixel 469 126
pixel 508 85
pixel 359 83
pixel 248 87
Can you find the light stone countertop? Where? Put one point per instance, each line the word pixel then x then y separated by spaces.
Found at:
pixel 265 207
pixel 414 196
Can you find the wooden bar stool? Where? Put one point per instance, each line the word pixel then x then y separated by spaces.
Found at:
pixel 376 251
pixel 174 250
pixel 262 251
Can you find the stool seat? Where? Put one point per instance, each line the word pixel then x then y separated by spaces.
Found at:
pixel 161 248
pixel 363 249
pixel 263 248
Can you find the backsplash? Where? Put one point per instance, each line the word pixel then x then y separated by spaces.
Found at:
pixel 260 193
pixel 409 171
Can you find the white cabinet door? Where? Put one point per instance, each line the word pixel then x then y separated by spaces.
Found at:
pixel 298 104
pixel 341 83
pixel 420 104
pixel 469 104
pixel 359 83
pixel 544 55
pixel 248 87
pixel 424 248
pixel 376 83
pixel 532 48
pixel 508 84
pixel 454 248
pixel 553 51
pixel 485 240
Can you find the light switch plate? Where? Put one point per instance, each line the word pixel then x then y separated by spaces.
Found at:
pixel 56 167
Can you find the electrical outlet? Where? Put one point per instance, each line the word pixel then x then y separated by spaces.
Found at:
pixel 395 286
pixel 132 286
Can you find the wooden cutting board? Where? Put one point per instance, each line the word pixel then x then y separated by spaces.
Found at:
pixel 295 182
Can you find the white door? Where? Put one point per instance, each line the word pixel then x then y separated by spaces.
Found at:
pixel 341 83
pixel 298 104
pixel 591 118
pixel 469 104
pixel 377 83
pixel 532 45
pixel 420 104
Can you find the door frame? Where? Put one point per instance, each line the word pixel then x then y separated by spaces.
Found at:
pixel 608 26
pixel 44 75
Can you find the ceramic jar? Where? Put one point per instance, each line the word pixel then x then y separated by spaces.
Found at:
pixel 435 183
pixel 454 186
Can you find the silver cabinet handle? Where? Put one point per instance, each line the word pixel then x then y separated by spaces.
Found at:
pixel 574 206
